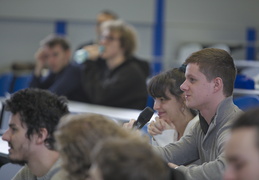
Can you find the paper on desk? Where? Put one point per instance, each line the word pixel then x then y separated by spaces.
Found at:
pixel 3 147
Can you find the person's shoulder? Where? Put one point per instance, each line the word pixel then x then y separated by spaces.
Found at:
pixel 142 64
pixel 72 68
pixel 24 173
pixel 61 174
pixel 192 124
pixel 132 66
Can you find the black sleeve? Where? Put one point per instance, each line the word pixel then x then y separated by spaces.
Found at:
pixel 42 82
pixel 124 88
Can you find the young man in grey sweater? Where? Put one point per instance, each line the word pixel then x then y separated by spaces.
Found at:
pixel 208 88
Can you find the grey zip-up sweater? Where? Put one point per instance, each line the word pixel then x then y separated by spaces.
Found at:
pixel 204 142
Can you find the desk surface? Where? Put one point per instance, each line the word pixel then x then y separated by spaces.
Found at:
pixel 245 92
pixel 246 63
pixel 3 147
pixel 120 114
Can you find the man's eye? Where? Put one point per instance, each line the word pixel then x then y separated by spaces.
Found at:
pixel 192 80
pixel 238 166
pixel 162 99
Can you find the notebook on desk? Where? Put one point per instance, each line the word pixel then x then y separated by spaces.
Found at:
pixel 4 119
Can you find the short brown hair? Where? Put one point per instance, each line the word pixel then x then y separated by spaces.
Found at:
pixel 53 40
pixel 214 63
pixel 128 38
pixel 76 136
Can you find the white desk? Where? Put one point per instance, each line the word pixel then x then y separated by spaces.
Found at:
pixel 3 147
pixel 3 152
pixel 240 64
pixel 120 114
pixel 245 92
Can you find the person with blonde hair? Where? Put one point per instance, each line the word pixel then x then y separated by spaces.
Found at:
pixel 76 136
pixel 129 159
pixel 115 77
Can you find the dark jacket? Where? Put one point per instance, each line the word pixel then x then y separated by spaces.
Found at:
pixel 67 82
pixel 124 86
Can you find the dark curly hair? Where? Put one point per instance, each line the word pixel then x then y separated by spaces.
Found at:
pixel 38 109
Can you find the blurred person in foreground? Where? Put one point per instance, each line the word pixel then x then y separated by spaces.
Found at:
pixel 77 135
pixel 128 159
pixel 242 149
pixel 35 115
pixel 64 76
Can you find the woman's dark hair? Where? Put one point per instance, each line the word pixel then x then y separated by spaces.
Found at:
pixel 170 80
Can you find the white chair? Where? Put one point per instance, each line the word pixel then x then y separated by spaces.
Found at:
pixel 186 50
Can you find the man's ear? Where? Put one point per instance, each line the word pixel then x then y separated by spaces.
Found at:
pixel 218 84
pixel 42 136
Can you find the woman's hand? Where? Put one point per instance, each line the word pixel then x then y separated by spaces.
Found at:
pixel 129 125
pixel 158 126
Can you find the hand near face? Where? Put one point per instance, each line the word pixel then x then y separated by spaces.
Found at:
pixel 158 126
pixel 129 125
pixel 93 51
pixel 41 55
pixel 172 165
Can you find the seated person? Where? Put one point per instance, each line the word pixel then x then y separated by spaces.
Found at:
pixel 169 102
pixel 174 118
pixel 208 88
pixel 128 159
pixel 77 135
pixel 35 115
pixel 242 149
pixel 104 15
pixel 115 79
pixel 64 77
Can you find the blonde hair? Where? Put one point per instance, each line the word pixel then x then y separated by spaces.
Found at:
pixel 128 159
pixel 128 37
pixel 77 135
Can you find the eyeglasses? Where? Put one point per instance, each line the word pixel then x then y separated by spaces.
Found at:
pixel 109 38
